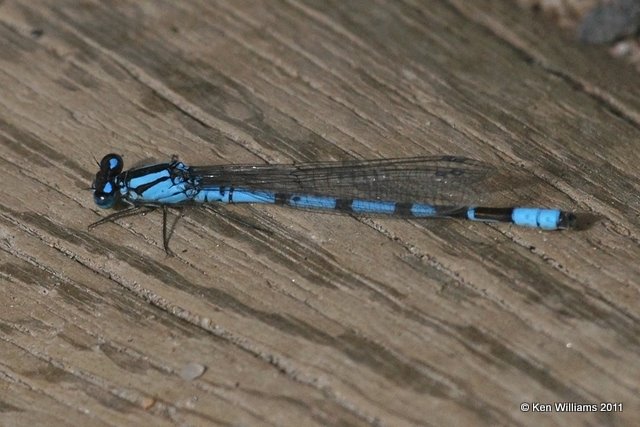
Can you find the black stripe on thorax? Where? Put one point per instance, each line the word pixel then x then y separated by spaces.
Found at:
pixel 127 176
pixel 140 189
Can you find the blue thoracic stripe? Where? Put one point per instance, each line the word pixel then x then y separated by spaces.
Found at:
pixel 148 180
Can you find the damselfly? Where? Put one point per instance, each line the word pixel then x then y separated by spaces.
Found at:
pixel 418 187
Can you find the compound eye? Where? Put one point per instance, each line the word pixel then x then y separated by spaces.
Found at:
pixel 106 197
pixel 111 163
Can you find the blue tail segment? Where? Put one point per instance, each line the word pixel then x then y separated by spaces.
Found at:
pixel 420 187
pixel 544 219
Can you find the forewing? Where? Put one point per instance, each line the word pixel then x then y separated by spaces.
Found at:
pixel 441 180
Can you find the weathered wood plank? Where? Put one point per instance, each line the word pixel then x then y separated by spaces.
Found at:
pixel 309 319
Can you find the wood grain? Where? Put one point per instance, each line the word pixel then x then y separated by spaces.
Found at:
pixel 303 318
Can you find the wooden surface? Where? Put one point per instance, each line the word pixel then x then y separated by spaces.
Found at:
pixel 302 318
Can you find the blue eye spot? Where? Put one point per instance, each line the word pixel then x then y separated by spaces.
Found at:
pixel 111 163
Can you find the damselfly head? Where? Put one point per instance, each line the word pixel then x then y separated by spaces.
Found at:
pixel 105 192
